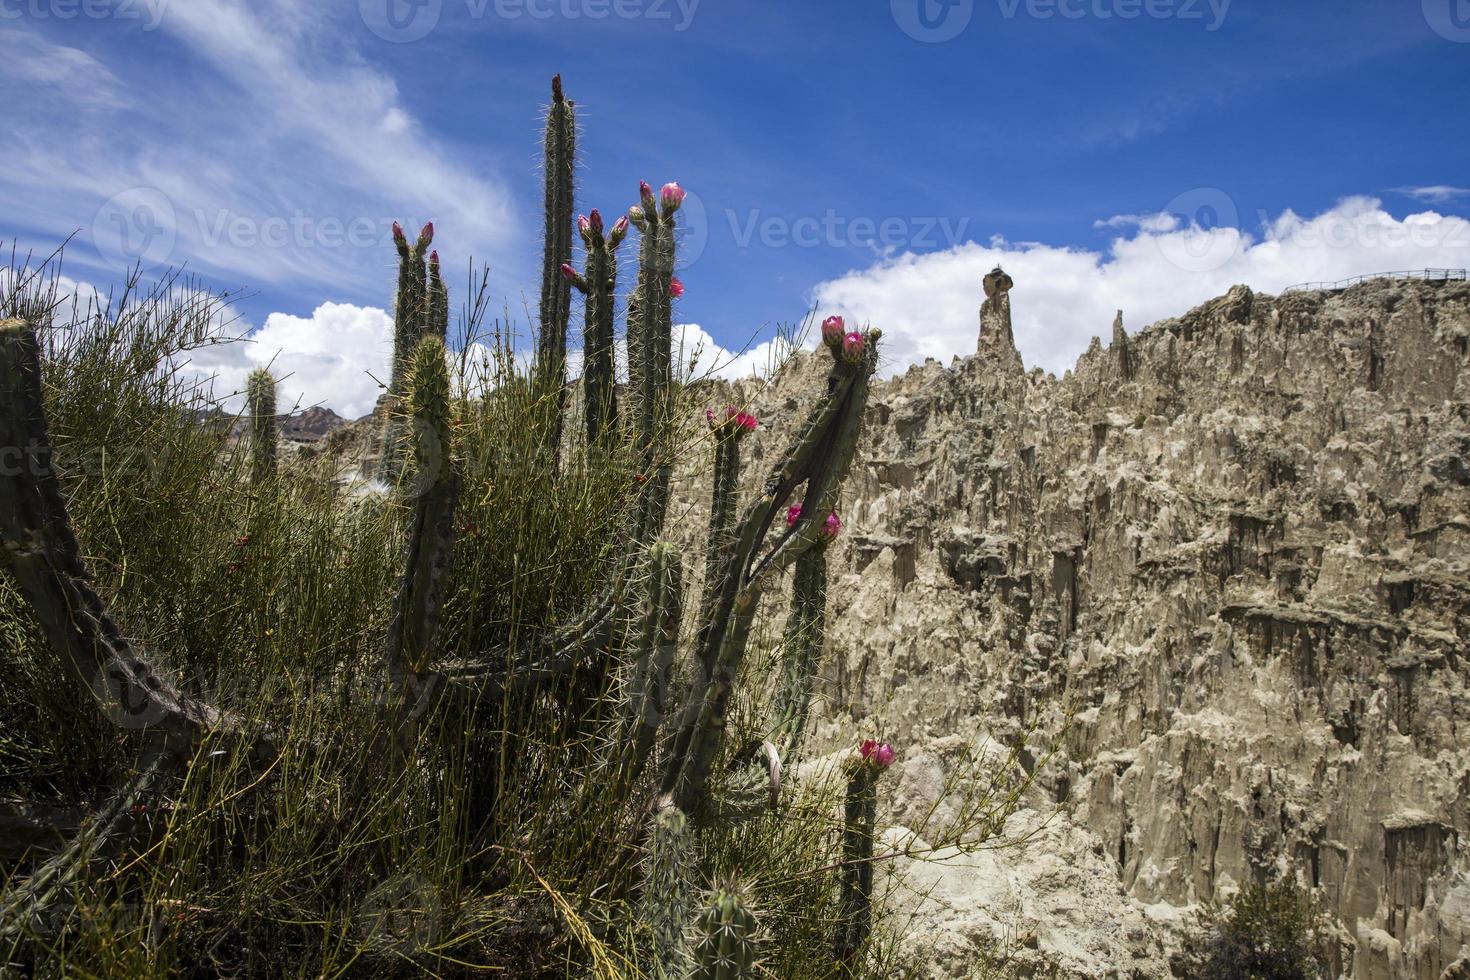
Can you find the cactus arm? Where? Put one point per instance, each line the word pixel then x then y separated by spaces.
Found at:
pixel 855 900
pixel 556 291
pixel 725 944
pixel 668 882
pixel 410 314
pixel 655 643
pixel 42 553
pixel 421 586
pixel 802 648
pixel 437 322
pixel 260 406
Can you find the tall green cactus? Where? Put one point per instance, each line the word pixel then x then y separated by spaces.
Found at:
pixel 559 166
pixel 725 940
pixel 434 489
pixel 806 623
pixel 412 317
pixel 598 286
pixel 855 911
pixel 668 869
pixel 260 405
pixel 436 323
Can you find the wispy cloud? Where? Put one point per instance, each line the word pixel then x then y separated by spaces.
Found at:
pixel 1434 193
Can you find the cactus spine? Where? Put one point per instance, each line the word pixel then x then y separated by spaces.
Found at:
pixel 725 944
pixel 668 866
pixel 556 291
pixel 260 402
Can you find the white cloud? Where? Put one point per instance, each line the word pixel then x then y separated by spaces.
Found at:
pixel 928 305
pixel 331 357
pixel 1433 194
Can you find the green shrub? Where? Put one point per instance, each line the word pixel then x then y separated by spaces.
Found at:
pixel 1266 932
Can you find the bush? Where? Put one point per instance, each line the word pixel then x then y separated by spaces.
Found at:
pixel 1267 932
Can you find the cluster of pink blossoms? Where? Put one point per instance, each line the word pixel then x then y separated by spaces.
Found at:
pixel 742 421
pixel 880 754
pixel 831 527
pixel 849 343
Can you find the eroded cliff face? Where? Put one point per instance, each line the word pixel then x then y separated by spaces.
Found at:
pixel 1235 545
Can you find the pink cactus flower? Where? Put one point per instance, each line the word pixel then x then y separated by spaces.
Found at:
pixel 568 272
pixel 595 220
pixel 672 195
pixel 852 346
pixel 620 228
pixel 832 330
pixel 884 755
pixel 709 415
pixel 868 747
pixel 398 233
pixel 793 513
pixel 676 288
pixel 583 224
pixel 746 421
pixel 832 526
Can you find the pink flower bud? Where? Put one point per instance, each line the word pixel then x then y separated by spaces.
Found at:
pixel 852 347
pixel 619 229
pixel 676 288
pixel 595 220
pixel 793 514
pixel 672 195
pixel 884 755
pixel 568 272
pixel 398 233
pixel 434 258
pixel 583 225
pixel 832 330
pixel 645 194
pixel 709 415
pixel 832 526
pixel 426 234
pixel 636 215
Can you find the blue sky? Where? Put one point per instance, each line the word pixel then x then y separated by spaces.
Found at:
pixel 871 158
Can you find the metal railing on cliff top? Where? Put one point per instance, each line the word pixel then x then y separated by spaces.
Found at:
pixel 1434 275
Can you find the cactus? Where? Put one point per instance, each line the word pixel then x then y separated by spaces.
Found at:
pixel 598 285
pixel 436 323
pixel 725 944
pixel 556 292
pixel 801 648
pixel 411 320
pixel 656 638
pixel 668 861
pixel 855 912
pixel 435 489
pixel 260 404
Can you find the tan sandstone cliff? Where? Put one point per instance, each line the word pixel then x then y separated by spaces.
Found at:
pixel 1235 544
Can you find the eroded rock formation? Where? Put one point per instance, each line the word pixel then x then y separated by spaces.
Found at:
pixel 1235 545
